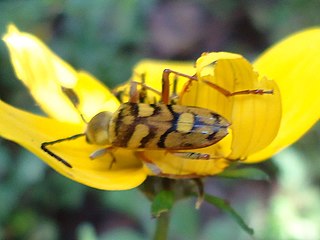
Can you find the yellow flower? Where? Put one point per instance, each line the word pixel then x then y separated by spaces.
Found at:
pixel 255 118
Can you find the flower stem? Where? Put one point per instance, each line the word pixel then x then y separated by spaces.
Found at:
pixel 162 227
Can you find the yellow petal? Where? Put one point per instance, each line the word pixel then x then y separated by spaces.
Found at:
pixel 31 131
pixel 44 73
pixel 294 65
pixel 94 97
pixel 254 118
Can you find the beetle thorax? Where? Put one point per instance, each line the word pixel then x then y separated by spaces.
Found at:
pixel 97 131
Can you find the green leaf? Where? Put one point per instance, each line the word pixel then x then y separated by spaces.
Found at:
pixel 225 206
pixel 162 203
pixel 246 173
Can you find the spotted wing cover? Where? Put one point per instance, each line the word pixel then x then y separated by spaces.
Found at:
pixel 158 126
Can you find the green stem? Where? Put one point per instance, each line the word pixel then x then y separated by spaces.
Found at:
pixel 162 227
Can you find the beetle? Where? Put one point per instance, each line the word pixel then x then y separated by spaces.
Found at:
pixel 157 126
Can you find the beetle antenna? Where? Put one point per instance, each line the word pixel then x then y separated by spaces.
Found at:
pixel 73 97
pixel 45 144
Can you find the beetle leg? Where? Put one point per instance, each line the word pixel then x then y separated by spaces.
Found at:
pixel 143 89
pixel 242 92
pixel 227 93
pixel 103 151
pixel 133 94
pixel 145 86
pixel 165 93
pixel 158 172
pixel 139 96
pixel 192 155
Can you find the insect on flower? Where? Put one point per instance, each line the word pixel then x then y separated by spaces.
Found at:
pixel 159 126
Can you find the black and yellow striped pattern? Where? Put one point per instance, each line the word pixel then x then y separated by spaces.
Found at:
pixel 160 126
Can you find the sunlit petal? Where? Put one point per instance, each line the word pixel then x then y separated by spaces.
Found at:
pixel 30 131
pixel 294 65
pixel 44 73
pixel 93 96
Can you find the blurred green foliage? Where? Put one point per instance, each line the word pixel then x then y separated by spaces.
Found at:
pixel 106 38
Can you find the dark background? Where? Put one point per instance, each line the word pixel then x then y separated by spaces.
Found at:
pixel 107 38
